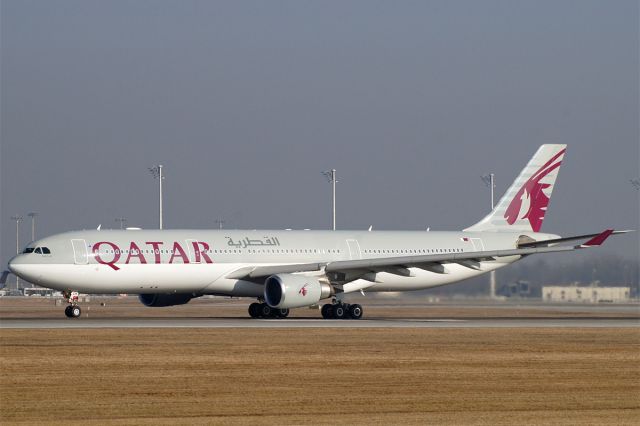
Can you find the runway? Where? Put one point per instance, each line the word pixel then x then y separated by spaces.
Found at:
pixel 121 323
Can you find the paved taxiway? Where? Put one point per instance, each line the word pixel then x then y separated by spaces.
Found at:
pixel 64 323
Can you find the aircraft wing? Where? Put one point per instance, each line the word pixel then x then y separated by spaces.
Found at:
pixel 250 272
pixel 349 270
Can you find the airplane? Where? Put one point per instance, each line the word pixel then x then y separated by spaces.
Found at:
pixel 286 269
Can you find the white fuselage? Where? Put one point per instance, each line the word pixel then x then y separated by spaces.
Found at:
pixel 205 262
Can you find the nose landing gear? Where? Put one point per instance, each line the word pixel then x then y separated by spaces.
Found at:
pixel 72 310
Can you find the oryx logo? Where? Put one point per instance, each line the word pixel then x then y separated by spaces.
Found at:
pixel 303 290
pixel 533 192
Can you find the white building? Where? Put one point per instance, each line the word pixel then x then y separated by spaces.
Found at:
pixel 586 294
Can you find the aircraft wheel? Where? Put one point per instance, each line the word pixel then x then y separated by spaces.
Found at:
pixel 67 311
pixel 355 311
pixel 282 313
pixel 327 311
pixel 265 310
pixel 254 310
pixel 75 311
pixel 339 312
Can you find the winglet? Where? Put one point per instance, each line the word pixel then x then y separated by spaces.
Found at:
pixel 598 239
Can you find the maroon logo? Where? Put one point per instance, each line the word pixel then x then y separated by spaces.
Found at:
pixel 135 252
pixel 115 250
pixel 303 291
pixel 533 190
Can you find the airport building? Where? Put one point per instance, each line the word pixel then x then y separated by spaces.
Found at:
pixel 590 294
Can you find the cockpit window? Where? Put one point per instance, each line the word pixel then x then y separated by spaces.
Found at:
pixel 37 250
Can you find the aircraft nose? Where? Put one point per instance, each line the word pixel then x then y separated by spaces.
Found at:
pixel 17 266
pixel 26 270
pixel 12 266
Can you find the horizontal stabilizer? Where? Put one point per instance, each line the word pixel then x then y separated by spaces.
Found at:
pixel 556 241
pixel 598 239
pixel 3 278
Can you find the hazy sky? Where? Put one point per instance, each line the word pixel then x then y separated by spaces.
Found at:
pixel 246 102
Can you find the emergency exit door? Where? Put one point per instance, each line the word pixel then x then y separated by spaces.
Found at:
pixel 80 255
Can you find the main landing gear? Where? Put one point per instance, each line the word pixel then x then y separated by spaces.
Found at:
pixel 339 310
pixel 262 310
pixel 72 310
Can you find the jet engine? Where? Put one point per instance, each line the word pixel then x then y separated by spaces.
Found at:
pixel 285 291
pixel 161 300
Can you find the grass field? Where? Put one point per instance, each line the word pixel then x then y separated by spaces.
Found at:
pixel 320 376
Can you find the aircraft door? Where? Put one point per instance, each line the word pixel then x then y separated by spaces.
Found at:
pixel 477 244
pixel 80 255
pixel 354 249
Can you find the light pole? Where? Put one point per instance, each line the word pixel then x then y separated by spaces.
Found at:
pixel 331 177
pixel 156 172
pixel 18 219
pixel 490 181
pixel 122 221
pixel 33 215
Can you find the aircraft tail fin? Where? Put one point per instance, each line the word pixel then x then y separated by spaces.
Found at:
pixel 523 207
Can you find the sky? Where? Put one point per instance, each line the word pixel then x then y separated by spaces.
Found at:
pixel 245 103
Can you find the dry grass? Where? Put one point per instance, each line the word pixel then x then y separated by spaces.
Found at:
pixel 321 376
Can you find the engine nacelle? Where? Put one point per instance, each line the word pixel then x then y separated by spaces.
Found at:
pixel 157 300
pixel 285 291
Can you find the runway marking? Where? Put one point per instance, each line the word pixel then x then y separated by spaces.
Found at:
pixel 37 323
pixel 315 320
